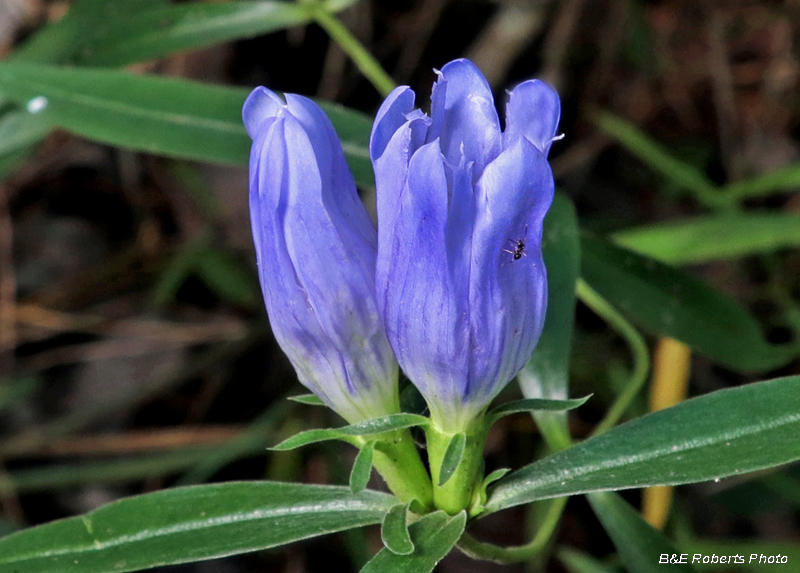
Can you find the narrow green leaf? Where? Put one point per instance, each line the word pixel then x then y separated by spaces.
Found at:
pixel 670 302
pixel 433 537
pixel 362 468
pixel 546 376
pixel 659 159
pixel 127 31
pixel 494 476
pixel 394 531
pixel 189 524
pixel 64 41
pixel 724 433
pixel 785 179
pixel 711 238
pixel 534 405
pixel 307 399
pixel 158 115
pixel 642 548
pixel 366 428
pixel 452 457
pixel 155 32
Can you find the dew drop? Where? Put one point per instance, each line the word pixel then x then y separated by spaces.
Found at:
pixel 37 104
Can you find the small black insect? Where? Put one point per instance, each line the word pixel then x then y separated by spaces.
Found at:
pixel 519 247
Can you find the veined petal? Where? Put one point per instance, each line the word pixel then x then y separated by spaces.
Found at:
pixel 338 186
pixel 464 116
pixel 316 250
pixel 425 325
pixel 533 111
pixel 391 172
pixel 508 286
pixel 391 115
pixel 460 277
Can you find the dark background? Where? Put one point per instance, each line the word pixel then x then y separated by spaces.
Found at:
pixel 138 346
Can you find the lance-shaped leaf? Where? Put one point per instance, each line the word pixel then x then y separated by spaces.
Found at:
pixel 713 237
pixel 189 524
pixel 158 115
pixel 347 433
pixel 534 405
pixel 725 433
pixel 670 302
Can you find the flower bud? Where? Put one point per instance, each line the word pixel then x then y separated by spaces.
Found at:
pixel 316 251
pixel 460 278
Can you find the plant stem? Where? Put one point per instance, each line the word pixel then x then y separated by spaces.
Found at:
pixel 489 552
pixel 457 492
pixel 637 345
pixel 397 460
pixel 365 61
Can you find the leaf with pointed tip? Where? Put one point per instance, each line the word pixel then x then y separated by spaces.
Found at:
pixel 452 457
pixel 347 433
pixel 724 433
pixel 535 405
pixel 713 237
pixel 189 524
pixel 362 468
pixel 637 542
pixel 165 116
pixel 307 399
pixel 433 537
pixel 394 531
pixel 669 302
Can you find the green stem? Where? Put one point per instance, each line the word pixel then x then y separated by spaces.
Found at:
pixel 489 552
pixel 457 492
pixel 637 345
pixel 397 460
pixel 365 61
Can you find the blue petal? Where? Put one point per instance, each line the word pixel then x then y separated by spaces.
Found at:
pixel 391 172
pixel 316 270
pixel 533 111
pixel 424 323
pixel 464 115
pixel 260 105
pixel 391 115
pixel 508 296
pixel 339 195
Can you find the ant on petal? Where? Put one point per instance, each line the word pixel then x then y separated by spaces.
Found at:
pixel 519 247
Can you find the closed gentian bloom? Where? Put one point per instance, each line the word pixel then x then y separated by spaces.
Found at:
pixel 316 250
pixel 460 278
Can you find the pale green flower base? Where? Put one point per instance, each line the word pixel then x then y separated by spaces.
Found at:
pixel 459 491
pixel 397 460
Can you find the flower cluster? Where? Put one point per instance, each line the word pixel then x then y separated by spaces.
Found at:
pixel 451 285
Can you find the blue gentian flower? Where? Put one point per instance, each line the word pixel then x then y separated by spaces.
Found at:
pixel 460 278
pixel 316 251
